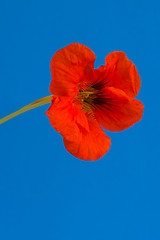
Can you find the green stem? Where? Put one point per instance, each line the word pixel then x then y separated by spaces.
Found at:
pixel 37 103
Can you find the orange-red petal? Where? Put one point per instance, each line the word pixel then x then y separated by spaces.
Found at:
pixel 83 137
pixel 68 67
pixel 117 111
pixel 90 146
pixel 124 74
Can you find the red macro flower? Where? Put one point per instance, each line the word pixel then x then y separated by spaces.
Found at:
pixel 84 99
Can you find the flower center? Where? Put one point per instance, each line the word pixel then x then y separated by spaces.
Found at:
pixel 88 95
pixel 86 98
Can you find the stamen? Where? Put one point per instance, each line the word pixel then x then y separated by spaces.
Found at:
pixel 86 96
pixel 37 103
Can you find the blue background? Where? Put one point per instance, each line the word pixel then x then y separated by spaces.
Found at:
pixel 46 193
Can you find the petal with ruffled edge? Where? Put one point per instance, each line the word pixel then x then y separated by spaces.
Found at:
pixel 115 111
pixel 83 137
pixel 68 67
pixel 90 146
pixel 123 73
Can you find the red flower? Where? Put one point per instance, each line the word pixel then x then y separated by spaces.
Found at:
pixel 85 98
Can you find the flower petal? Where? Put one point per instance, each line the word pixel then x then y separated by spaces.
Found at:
pixel 90 146
pixel 116 111
pixel 68 66
pixel 83 137
pixel 63 115
pixel 124 73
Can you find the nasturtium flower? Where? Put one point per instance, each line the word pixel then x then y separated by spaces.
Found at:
pixel 85 99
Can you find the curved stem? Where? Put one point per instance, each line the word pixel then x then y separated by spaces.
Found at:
pixel 37 103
